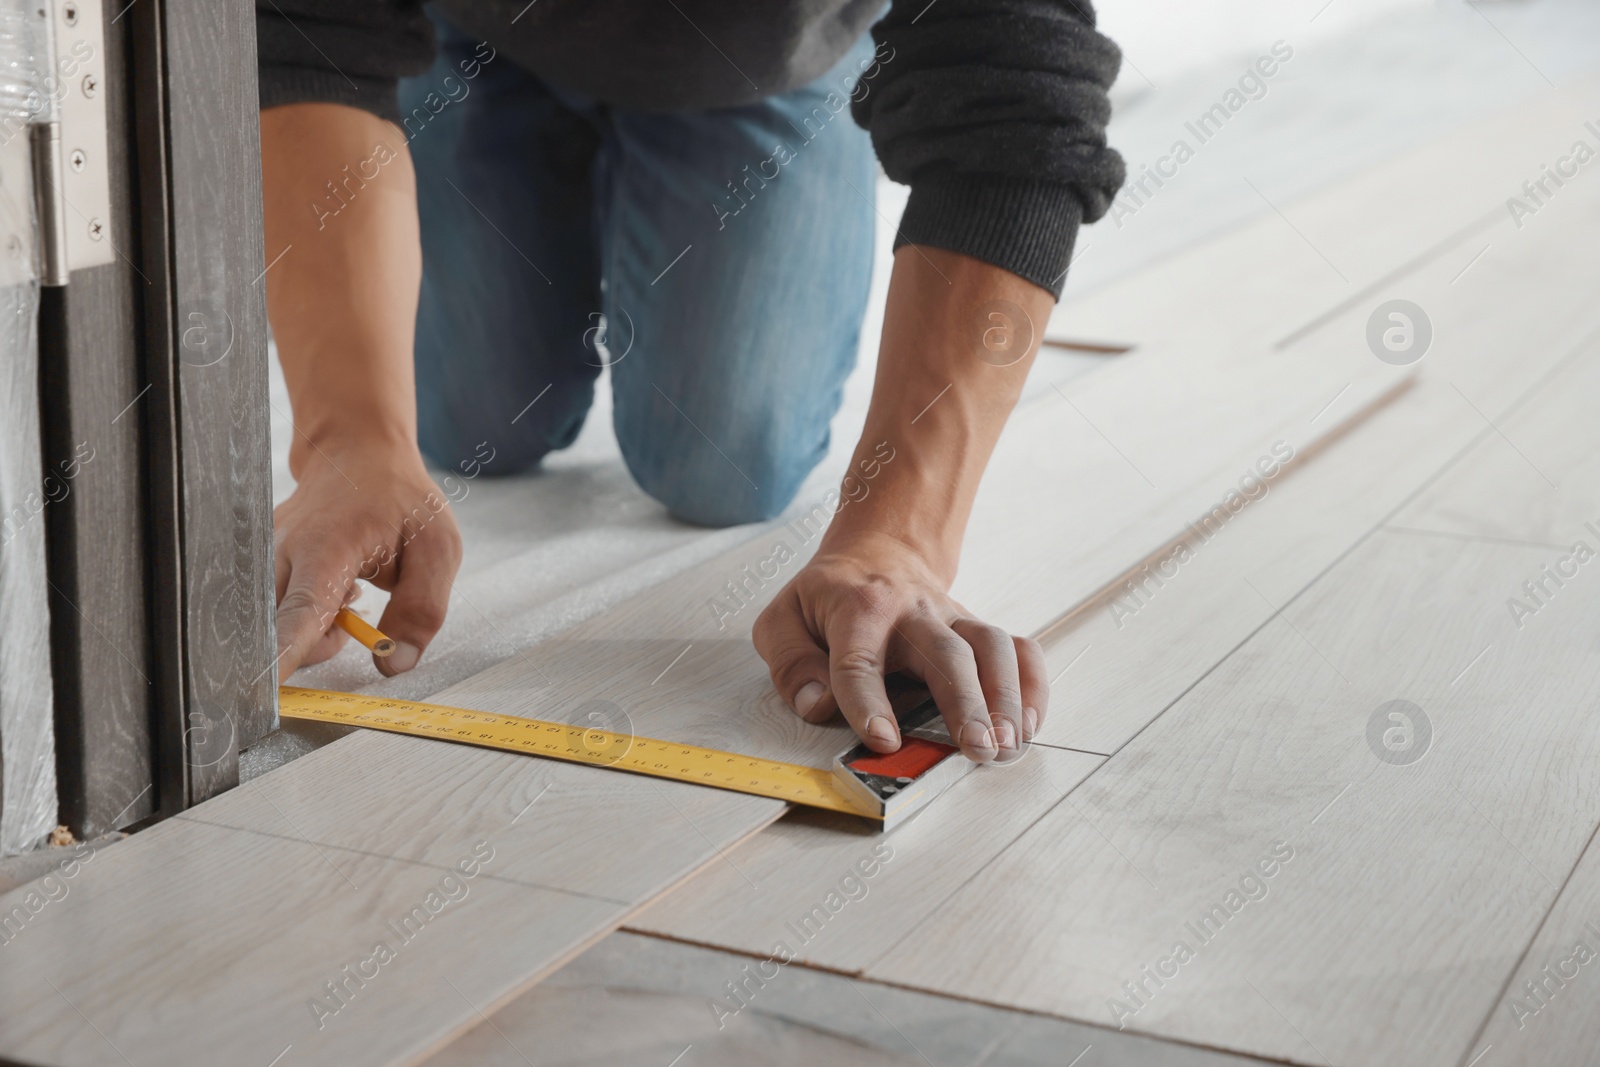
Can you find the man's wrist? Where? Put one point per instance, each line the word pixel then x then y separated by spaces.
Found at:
pixel 959 336
pixel 351 435
pixel 902 508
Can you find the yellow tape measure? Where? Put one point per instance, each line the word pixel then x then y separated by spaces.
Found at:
pixel 811 786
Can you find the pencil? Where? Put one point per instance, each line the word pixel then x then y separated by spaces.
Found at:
pixel 364 631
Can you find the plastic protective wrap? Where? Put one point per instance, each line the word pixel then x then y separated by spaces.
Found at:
pixel 27 734
pixel 21 37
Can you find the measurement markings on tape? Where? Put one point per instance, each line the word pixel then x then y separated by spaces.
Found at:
pixel 811 786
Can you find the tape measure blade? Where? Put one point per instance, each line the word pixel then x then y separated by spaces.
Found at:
pixel 791 782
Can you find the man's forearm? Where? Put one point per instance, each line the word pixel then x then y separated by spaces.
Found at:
pixel 959 336
pixel 344 263
pixel 341 210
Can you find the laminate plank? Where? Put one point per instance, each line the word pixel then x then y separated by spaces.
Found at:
pixel 1534 478
pixel 1235 341
pixel 1502 331
pixel 704 685
pixel 1549 1010
pixel 1145 445
pixel 577 849
pixel 674 662
pixel 1132 650
pixel 633 999
pixel 607 834
pixel 1399 893
pixel 1427 204
pixel 836 895
pixel 216 951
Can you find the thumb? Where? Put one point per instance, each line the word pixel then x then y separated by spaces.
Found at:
pixel 797 663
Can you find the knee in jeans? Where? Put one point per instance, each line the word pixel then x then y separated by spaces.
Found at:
pixel 701 485
pixel 471 448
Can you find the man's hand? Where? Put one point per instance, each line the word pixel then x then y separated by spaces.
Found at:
pixel 374 515
pixel 869 606
pixel 344 267
pixel 958 338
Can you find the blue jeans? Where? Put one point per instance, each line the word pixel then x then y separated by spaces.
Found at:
pixel 722 280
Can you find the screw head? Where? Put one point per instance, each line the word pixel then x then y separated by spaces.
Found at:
pixel 97 229
pixel 69 11
pixel 91 85
pixel 78 160
pixel 14 246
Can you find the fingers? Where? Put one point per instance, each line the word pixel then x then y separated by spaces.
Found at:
pixel 313 592
pixel 857 646
pixel 999 680
pixel 798 664
pixel 830 637
pixel 421 596
pixel 948 666
pixel 1035 678
pixel 327 648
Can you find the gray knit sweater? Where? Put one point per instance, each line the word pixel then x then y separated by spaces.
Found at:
pixel 993 111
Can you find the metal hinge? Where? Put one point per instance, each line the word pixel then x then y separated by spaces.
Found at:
pixel 70 158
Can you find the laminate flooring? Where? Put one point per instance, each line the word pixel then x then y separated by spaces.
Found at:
pixel 1408 890
pixel 1490 457
pixel 584 849
pixel 148 954
pixel 788 871
pixel 1134 650
pixel 641 1000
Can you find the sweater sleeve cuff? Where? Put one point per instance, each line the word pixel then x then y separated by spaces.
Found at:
pixel 1022 225
pixel 303 85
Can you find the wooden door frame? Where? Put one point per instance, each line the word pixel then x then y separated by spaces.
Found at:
pixel 162 623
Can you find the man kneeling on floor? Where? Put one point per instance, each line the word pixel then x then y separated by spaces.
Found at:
pixel 476 207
